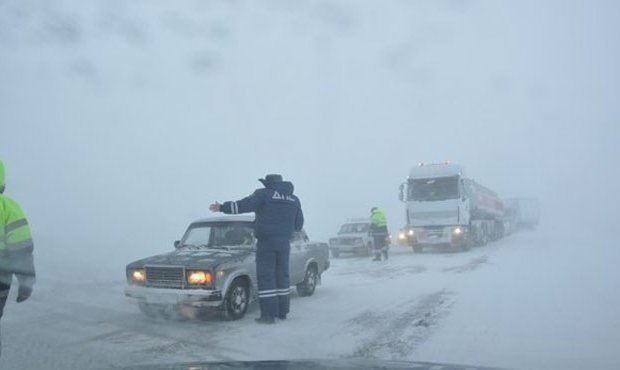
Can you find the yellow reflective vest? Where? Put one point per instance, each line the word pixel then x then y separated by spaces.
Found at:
pixel 16 244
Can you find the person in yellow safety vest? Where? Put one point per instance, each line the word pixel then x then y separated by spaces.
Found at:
pixel 15 249
pixel 379 231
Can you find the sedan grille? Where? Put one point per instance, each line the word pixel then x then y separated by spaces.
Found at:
pixel 165 277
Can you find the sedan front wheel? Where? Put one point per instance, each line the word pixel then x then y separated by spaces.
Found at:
pixel 237 300
pixel 306 288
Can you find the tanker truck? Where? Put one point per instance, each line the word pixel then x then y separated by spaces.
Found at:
pixel 446 209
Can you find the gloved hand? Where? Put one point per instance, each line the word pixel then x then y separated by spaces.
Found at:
pixel 23 292
pixel 215 207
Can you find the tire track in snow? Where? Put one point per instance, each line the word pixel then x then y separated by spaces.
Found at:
pixel 386 271
pixel 469 266
pixel 396 334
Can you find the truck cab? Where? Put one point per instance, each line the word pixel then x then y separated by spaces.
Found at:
pixel 444 208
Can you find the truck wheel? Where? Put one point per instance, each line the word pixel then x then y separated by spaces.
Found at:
pixel 484 238
pixel 306 287
pixel 237 299
pixel 479 237
pixel 335 253
pixel 465 244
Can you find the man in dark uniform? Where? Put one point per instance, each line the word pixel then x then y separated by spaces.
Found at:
pixel 278 215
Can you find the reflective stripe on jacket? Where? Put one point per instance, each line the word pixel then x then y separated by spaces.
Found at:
pixel 16 244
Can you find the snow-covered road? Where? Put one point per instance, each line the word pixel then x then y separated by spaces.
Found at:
pixel 523 302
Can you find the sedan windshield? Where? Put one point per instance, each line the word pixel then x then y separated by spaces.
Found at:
pixel 440 188
pixel 354 228
pixel 219 234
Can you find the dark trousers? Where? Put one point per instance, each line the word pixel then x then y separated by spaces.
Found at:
pixel 4 294
pixel 272 260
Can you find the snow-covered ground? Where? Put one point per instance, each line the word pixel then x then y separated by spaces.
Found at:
pixel 120 121
pixel 521 303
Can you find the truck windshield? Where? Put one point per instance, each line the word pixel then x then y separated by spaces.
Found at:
pixel 440 188
pixel 219 234
pixel 354 228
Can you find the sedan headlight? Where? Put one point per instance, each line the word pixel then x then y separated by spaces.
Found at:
pixel 199 277
pixel 137 276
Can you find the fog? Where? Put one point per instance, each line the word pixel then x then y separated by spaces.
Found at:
pixel 121 121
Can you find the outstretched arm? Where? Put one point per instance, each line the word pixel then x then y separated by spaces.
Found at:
pixel 245 205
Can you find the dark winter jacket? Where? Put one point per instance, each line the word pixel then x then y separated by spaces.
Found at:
pixel 278 211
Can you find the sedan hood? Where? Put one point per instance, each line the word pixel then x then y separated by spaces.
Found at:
pixel 194 257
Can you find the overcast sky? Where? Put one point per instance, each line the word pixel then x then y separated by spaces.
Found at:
pixel 121 121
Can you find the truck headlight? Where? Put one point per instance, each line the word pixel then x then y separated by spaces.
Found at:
pixel 199 277
pixel 457 231
pixel 410 232
pixel 137 276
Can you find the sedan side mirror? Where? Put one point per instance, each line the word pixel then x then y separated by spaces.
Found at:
pixel 177 243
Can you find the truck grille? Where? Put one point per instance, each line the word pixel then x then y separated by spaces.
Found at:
pixel 433 215
pixel 165 277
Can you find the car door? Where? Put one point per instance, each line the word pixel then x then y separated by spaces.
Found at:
pixel 297 258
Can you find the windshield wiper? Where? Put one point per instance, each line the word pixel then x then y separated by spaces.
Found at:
pixel 215 246
pixel 194 246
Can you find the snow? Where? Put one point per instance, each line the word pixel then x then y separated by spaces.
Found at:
pixel 522 303
pixel 120 122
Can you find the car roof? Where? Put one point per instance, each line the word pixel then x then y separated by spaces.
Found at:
pixel 357 221
pixel 231 218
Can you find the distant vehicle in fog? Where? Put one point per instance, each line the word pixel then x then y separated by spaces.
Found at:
pixel 445 208
pixel 354 237
pixel 213 266
pixel 522 213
